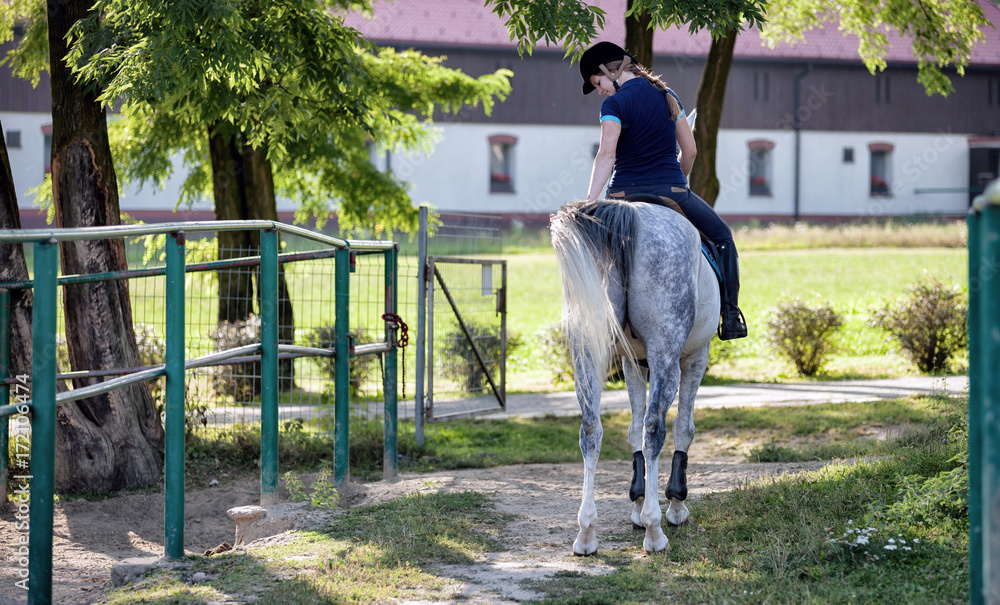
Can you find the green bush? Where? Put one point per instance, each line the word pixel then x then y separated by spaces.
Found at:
pixel 460 361
pixel 241 381
pixel 801 333
pixel 929 323
pixel 359 368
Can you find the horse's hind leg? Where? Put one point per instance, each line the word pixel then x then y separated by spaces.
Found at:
pixel 635 381
pixel 589 382
pixel 662 388
pixel 692 371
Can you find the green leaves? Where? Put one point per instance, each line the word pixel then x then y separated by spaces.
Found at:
pixel 569 23
pixel 31 55
pixel 716 16
pixel 285 75
pixel 573 24
pixel 941 32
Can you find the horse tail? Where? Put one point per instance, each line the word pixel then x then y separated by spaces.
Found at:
pixel 593 242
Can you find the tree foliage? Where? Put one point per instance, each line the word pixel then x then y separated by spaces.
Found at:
pixel 574 24
pixel 286 76
pixel 941 32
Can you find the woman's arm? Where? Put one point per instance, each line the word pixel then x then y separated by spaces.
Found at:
pixel 605 160
pixel 685 140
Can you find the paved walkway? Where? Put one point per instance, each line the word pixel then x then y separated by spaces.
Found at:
pixel 805 393
pixel 565 404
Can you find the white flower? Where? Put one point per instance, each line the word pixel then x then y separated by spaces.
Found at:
pixel 890 547
pixel 916 540
pixel 892 540
pixel 907 548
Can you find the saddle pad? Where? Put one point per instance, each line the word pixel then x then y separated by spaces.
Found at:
pixel 711 260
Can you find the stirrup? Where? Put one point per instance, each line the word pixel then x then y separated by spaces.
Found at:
pixel 730 332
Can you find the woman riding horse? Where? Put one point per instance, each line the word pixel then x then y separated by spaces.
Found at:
pixel 640 135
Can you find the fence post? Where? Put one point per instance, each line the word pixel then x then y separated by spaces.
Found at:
pixel 390 458
pixel 4 389
pixel 976 288
pixel 342 360
pixel 418 394
pixel 269 367
pixel 173 527
pixel 987 374
pixel 43 422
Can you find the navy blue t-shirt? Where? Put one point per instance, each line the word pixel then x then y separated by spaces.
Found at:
pixel 647 146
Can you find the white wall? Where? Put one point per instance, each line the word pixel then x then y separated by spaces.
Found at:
pixel 919 161
pixel 28 169
pixel 27 164
pixel 552 166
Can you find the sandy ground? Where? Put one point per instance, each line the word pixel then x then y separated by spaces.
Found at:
pixel 90 537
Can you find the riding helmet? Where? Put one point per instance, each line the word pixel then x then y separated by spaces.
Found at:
pixel 597 55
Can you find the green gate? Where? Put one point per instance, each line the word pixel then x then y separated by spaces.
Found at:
pixel 43 396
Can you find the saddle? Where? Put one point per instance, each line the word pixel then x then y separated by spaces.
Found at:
pixel 708 249
pixel 707 246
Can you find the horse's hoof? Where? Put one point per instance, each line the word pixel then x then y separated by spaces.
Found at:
pixel 638 527
pixel 584 554
pixel 684 522
pixel 656 548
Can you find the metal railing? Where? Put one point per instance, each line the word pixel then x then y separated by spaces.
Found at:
pixel 44 396
pixel 984 397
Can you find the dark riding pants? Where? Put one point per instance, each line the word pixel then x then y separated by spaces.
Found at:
pixel 701 215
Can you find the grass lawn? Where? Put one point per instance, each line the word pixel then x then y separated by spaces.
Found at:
pixel 855 281
pixel 888 526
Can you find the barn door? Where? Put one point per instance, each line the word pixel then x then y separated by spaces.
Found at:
pixel 467 337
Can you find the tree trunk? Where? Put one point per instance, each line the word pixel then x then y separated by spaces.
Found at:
pixel 261 204
pixel 235 285
pixel 115 440
pixel 14 268
pixel 639 37
pixel 711 94
pixel 244 190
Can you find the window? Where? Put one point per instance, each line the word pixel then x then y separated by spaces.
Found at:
pixel 47 148
pixel 761 86
pixel 760 167
pixel 880 176
pixel 848 155
pixel 13 139
pixel 883 89
pixel 502 163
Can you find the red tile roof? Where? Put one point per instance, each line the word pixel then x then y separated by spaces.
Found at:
pixel 465 23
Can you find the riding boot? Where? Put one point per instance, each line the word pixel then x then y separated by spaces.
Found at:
pixel 733 324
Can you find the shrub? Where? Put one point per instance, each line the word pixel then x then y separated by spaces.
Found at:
pixel 460 360
pixel 358 369
pixel 929 323
pixel 241 381
pixel 801 333
pixel 152 352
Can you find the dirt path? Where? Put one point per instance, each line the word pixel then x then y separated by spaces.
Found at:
pixel 92 536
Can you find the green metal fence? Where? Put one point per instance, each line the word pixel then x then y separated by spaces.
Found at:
pixel 984 397
pixel 44 398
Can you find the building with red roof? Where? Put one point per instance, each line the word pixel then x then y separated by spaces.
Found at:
pixel 862 144
pixel 806 132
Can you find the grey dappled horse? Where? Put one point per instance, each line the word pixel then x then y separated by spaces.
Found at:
pixel 636 268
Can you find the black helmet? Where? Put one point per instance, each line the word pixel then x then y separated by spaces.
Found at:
pixel 596 56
